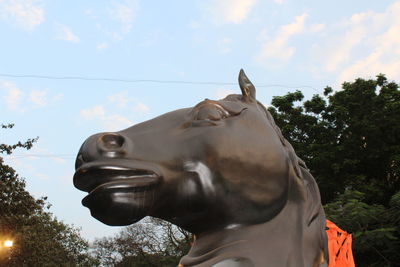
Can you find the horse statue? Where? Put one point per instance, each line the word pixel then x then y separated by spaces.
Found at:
pixel 221 170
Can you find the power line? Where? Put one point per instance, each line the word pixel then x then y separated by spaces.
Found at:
pixel 16 156
pixel 82 78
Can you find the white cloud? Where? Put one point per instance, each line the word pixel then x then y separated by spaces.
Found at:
pixel 140 107
pixel 278 47
pixel 108 115
pixel 30 163
pixel 94 112
pixel 317 27
pixel 230 11
pixel 102 46
pixel 38 97
pixel 370 66
pixel 26 165
pixel 116 122
pixel 365 45
pixel 224 45
pixel 66 34
pixel 123 101
pixel 90 13
pixel 279 1
pixel 59 160
pixel 57 97
pixel 341 50
pixel 13 95
pixel 38 151
pixel 27 14
pixel 23 100
pixel 341 47
pixel 114 20
pixel 125 14
pixel 110 122
pixel 120 99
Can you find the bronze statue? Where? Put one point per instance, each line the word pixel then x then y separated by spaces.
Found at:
pixel 221 170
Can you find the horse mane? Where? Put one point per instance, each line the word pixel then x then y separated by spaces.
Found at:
pixel 313 206
pixel 302 173
pixel 313 200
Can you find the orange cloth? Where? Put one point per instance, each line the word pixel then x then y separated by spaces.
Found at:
pixel 339 245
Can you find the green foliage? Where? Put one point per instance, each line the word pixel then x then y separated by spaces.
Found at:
pixel 350 140
pixel 375 228
pixel 8 149
pixel 151 243
pixel 39 238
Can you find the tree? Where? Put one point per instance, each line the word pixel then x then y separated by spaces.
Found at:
pixel 150 243
pixel 350 140
pixel 39 238
pixel 375 228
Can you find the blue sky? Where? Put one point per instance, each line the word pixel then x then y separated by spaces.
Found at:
pixel 282 44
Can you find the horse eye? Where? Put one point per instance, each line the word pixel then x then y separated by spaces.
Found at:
pixel 211 112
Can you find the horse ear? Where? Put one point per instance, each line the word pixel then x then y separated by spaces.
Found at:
pixel 248 89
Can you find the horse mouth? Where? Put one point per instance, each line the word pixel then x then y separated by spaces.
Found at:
pixel 94 177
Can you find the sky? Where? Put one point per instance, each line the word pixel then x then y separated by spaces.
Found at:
pixel 69 69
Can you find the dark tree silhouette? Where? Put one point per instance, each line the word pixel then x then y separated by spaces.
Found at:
pixel 350 140
pixel 39 238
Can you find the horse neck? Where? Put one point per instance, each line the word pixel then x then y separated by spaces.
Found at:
pixel 276 241
pixel 289 239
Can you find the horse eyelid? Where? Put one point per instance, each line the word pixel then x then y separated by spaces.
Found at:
pixel 223 110
pixel 228 114
pixel 224 113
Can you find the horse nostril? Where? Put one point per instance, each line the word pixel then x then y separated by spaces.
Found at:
pixel 111 142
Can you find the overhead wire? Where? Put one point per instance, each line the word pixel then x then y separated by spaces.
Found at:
pixel 82 78
pixel 16 156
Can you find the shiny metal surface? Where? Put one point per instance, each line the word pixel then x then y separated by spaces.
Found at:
pixel 221 170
